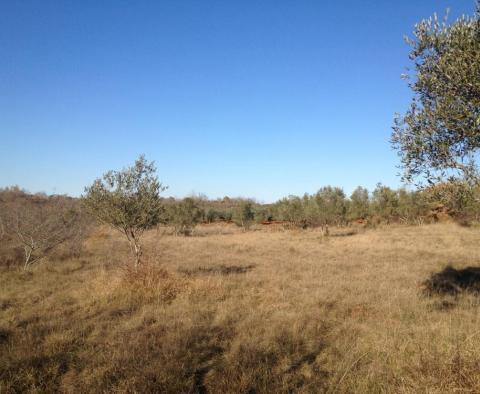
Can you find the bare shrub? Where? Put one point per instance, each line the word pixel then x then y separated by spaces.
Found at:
pixel 38 224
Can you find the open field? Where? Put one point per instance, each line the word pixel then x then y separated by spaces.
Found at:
pixel 257 312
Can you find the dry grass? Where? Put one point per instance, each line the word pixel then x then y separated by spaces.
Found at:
pixel 255 312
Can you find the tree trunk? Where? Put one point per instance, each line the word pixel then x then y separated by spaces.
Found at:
pixel 325 230
pixel 28 255
pixel 137 252
pixel 135 246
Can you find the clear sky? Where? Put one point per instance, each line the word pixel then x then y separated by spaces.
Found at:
pixel 243 98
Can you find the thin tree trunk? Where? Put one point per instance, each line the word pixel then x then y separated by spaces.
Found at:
pixel 137 251
pixel 135 246
pixel 28 254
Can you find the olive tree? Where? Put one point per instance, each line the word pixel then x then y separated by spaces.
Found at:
pixel 438 138
pixel 127 200
pixel 262 214
pixel 184 215
pixel 385 202
pixel 359 207
pixel 413 206
pixel 243 214
pixel 211 215
pixel 290 209
pixel 311 211
pixel 332 206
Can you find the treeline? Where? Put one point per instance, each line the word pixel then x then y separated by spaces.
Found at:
pixel 35 226
pixel 331 206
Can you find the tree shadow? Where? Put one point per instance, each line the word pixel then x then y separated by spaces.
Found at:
pixel 218 270
pixel 451 281
pixel 344 233
pixel 4 335
pixel 308 358
pixel 207 362
pixel 443 305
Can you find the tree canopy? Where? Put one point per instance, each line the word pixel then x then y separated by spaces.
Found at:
pixel 438 137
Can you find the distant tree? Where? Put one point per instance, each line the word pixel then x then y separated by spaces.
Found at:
pixel 211 215
pixel 438 138
pixel 413 206
pixel 184 216
pixel 291 209
pixel 332 205
pixel 311 211
pixel 2 227
pixel 225 214
pixel 458 198
pixel 127 200
pixel 385 202
pixel 262 214
pixel 359 207
pixel 243 214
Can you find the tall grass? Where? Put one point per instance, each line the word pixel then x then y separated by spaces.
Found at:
pixel 228 312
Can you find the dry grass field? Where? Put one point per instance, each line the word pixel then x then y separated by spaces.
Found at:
pixel 263 311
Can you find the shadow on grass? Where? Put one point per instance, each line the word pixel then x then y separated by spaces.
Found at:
pixel 308 358
pixel 344 233
pixel 218 270
pixel 4 335
pixel 453 281
pixel 199 386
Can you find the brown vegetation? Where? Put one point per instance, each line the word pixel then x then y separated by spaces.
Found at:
pixel 35 226
pixel 233 311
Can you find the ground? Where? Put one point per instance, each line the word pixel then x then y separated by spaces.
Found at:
pixel 227 311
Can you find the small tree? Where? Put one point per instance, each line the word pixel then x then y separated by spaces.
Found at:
pixel 243 214
pixel 128 201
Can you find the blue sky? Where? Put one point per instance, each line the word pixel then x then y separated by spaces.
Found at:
pixel 243 98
